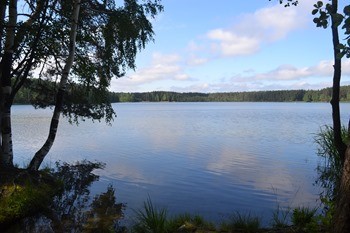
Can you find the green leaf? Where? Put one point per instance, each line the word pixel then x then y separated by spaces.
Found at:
pixel 319 4
pixel 338 19
pixel 329 7
pixel 340 46
pixel 340 55
pixel 324 24
pixel 347 10
pixel 323 15
pixel 316 20
pixel 314 12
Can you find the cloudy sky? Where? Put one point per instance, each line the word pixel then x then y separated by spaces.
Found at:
pixel 226 45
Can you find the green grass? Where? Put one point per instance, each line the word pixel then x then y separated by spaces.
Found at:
pixel 245 223
pixel 304 218
pixel 20 200
pixel 281 217
pixel 189 223
pixel 150 220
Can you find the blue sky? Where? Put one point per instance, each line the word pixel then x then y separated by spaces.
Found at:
pixel 228 46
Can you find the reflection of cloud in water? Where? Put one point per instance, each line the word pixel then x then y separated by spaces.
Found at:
pixel 164 132
pixel 276 177
pixel 127 173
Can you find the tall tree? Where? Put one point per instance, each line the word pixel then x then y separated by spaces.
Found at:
pixel 40 155
pixel 328 15
pixel 68 52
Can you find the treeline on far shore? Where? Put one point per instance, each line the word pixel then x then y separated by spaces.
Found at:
pixel 324 95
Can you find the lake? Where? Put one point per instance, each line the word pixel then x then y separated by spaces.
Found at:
pixel 207 158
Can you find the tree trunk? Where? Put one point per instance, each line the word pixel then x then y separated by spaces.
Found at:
pixel 340 145
pixel 6 158
pixel 341 218
pixel 44 150
pixel 3 5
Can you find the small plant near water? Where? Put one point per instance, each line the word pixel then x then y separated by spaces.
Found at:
pixel 151 220
pixel 189 223
pixel 245 223
pixel 281 217
pixel 330 166
pixel 329 170
pixel 304 219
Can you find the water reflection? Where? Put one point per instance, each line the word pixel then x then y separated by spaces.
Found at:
pixel 73 210
pixel 244 168
pixel 235 155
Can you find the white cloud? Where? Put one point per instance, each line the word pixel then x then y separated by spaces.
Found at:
pixel 288 72
pixel 231 44
pixel 182 77
pixel 273 23
pixel 162 67
pixel 196 61
pixel 284 77
pixel 254 29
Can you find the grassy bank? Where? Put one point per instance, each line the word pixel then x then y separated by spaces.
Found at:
pixel 151 219
pixel 24 193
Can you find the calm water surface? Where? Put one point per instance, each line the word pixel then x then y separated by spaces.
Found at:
pixel 207 158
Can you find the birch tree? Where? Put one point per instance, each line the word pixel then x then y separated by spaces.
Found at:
pixel 6 89
pixel 68 52
pixel 44 150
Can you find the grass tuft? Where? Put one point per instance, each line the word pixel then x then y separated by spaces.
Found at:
pixel 149 219
pixel 245 223
pixel 305 218
pixel 189 223
pixel 281 217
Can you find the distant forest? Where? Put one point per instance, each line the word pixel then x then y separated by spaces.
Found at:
pixel 324 95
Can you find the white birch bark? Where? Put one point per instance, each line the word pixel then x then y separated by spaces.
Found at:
pixel 5 71
pixel 44 150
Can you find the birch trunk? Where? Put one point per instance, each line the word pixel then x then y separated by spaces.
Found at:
pixel 44 150
pixel 6 158
pixel 2 19
pixel 3 6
